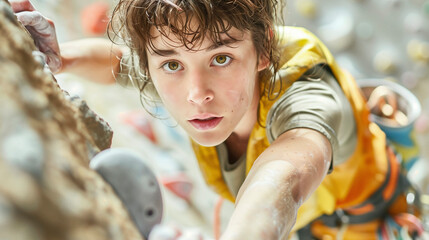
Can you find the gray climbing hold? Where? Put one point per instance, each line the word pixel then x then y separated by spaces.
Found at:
pixel 100 130
pixel 134 183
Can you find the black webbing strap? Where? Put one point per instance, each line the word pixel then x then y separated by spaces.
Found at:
pixel 376 199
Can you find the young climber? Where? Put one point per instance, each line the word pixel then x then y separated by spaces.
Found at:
pixel 268 110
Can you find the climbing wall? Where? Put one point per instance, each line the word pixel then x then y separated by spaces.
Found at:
pixel 75 19
pixel 47 137
pixel 374 39
pixel 371 38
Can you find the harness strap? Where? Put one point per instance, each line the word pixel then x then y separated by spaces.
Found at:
pixel 377 204
pixel 374 207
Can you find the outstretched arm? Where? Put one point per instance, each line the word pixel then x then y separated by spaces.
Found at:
pixel 281 179
pixel 95 59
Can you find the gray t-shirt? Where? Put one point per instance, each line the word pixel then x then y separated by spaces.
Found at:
pixel 315 101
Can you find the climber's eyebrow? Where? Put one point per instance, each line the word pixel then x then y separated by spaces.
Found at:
pixel 172 52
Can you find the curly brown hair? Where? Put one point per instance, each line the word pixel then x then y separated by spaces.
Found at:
pixel 132 20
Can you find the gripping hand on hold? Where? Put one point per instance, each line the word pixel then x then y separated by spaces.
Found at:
pixel 172 232
pixel 41 29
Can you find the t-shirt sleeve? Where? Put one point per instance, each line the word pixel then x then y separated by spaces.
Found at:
pixel 316 101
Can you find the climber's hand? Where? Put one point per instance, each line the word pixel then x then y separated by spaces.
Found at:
pixel 41 29
pixel 171 232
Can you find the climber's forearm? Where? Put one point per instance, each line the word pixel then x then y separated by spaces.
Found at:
pixel 282 178
pixel 94 59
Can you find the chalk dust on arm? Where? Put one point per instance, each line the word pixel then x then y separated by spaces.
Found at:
pixel 283 176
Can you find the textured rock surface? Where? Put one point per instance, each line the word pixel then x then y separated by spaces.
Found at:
pixel 47 190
